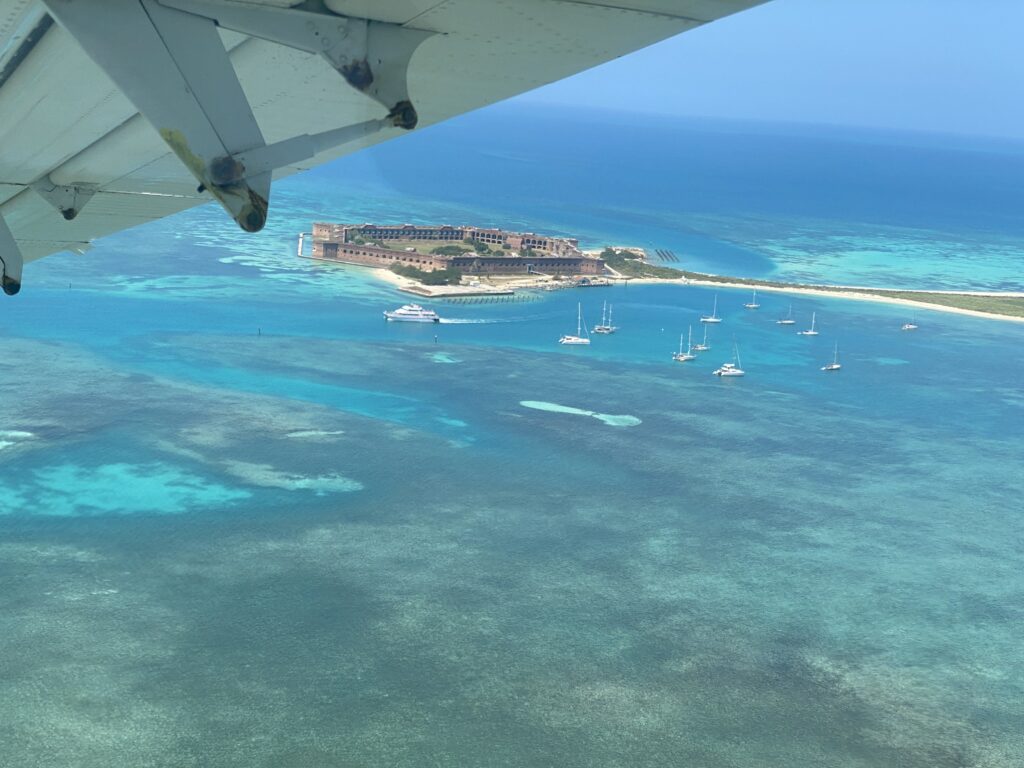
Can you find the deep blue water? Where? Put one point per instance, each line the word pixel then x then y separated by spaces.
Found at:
pixel 244 521
pixel 723 195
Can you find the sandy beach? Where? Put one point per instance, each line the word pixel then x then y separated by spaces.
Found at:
pixel 838 292
pixel 829 291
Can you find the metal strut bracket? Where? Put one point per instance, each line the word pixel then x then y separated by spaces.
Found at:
pixel 175 70
pixel 167 57
pixel 68 199
pixel 11 260
pixel 372 56
pixel 279 154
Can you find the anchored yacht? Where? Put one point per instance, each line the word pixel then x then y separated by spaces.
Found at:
pixel 834 365
pixel 788 319
pixel 731 369
pixel 713 317
pixel 579 338
pixel 703 346
pixel 810 331
pixel 752 304
pixel 682 357
pixel 606 320
pixel 412 313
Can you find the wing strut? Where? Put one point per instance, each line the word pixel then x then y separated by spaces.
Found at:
pixel 11 260
pixel 372 56
pixel 168 59
pixel 175 70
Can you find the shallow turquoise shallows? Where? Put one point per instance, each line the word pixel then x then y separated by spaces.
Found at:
pixel 246 522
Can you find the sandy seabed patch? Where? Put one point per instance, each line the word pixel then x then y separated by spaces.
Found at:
pixel 304 434
pixel 612 420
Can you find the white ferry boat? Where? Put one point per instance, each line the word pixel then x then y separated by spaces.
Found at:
pixel 412 313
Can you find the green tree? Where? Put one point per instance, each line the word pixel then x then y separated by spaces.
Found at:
pixel 437 277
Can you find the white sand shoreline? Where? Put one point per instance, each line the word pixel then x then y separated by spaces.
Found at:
pixel 836 291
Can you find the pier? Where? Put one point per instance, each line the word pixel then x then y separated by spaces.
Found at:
pixel 454 291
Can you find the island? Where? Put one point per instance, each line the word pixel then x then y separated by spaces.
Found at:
pixel 443 260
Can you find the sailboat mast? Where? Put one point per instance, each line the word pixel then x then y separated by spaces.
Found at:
pixel 579 318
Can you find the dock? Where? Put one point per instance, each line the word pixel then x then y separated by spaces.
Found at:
pixel 445 292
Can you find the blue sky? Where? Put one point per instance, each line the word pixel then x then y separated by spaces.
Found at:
pixel 952 66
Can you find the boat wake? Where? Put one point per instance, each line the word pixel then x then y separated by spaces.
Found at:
pixel 470 321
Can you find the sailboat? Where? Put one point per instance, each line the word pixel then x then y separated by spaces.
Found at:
pixel 752 304
pixel 811 331
pixel 703 346
pixel 713 317
pixel 606 320
pixel 788 319
pixel 578 338
pixel 733 368
pixel 682 357
pixel 911 326
pixel 834 365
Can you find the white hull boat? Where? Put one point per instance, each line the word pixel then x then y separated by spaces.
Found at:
pixel 713 317
pixel 810 331
pixel 703 346
pixel 606 326
pixel 411 313
pixel 683 357
pixel 579 338
pixel 733 369
pixel 788 319
pixel 834 365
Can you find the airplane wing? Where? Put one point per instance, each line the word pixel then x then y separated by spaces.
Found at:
pixel 117 112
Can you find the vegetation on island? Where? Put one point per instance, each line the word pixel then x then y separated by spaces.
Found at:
pixel 469 246
pixel 436 277
pixel 450 250
pixel 627 263
pixel 1010 306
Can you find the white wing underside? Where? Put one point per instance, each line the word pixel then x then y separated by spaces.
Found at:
pixel 64 121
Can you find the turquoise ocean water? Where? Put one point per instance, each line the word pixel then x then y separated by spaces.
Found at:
pixel 244 521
